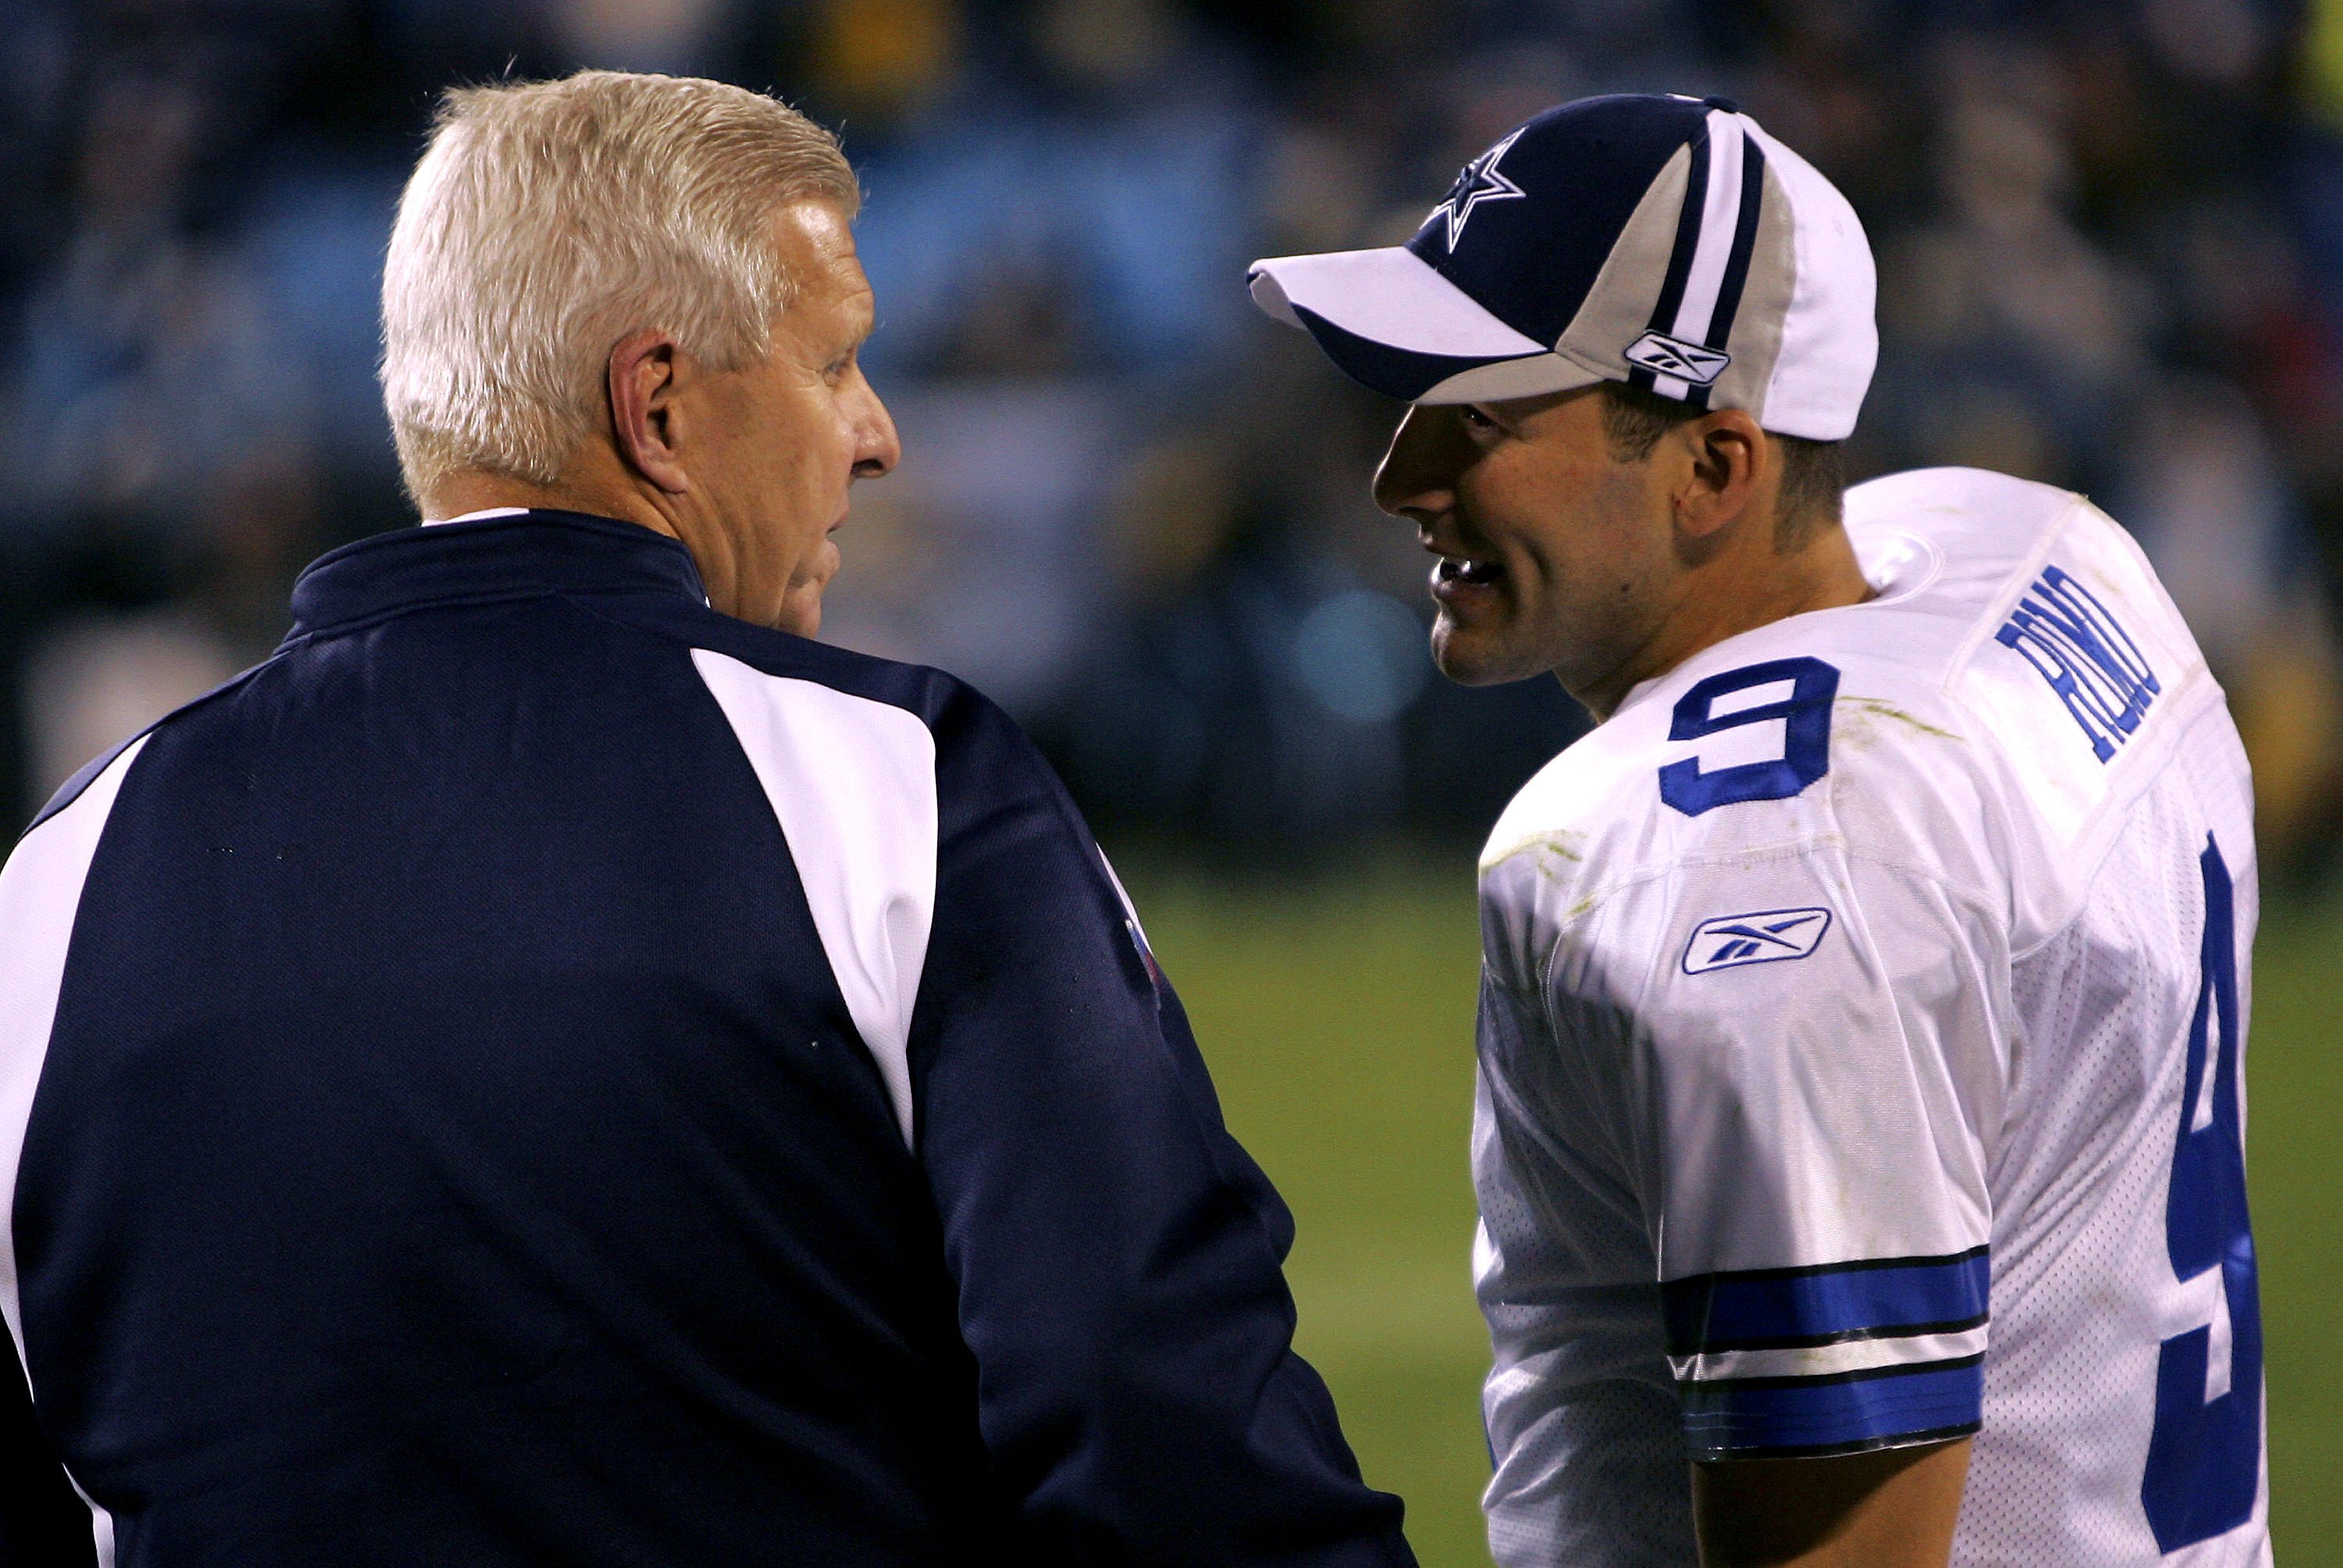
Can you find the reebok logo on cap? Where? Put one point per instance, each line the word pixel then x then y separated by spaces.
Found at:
pixel 1665 356
pixel 1665 242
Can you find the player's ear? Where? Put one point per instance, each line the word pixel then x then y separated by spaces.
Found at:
pixel 1728 455
pixel 644 373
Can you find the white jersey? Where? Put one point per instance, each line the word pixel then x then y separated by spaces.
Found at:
pixel 1861 1062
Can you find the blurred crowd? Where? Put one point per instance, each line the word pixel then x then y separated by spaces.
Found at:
pixel 2110 236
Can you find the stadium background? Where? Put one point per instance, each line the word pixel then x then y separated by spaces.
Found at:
pixel 2111 238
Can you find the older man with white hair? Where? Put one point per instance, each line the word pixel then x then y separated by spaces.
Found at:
pixel 557 1067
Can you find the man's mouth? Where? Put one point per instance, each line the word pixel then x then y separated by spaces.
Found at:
pixel 1463 571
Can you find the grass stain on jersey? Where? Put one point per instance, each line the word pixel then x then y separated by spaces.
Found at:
pixel 1878 707
pixel 1561 844
pixel 1553 857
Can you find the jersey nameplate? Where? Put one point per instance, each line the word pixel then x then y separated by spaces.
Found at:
pixel 2073 642
pixel 1769 936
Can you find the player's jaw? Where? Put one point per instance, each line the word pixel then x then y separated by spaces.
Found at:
pixel 1547 544
pixel 1542 589
pixel 1480 632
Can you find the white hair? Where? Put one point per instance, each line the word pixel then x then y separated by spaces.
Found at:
pixel 547 220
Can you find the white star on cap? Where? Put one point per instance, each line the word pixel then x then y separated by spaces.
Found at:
pixel 1480 182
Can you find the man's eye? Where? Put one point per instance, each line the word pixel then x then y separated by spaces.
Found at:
pixel 1476 420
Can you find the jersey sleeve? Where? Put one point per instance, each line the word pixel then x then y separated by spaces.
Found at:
pixel 1804 1051
pixel 1580 1403
pixel 1117 1255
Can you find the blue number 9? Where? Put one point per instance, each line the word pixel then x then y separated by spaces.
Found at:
pixel 2204 1456
pixel 1805 744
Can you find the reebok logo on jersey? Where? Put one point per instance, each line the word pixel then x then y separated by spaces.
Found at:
pixel 1769 936
pixel 1673 356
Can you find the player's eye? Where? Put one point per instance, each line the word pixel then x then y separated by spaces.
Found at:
pixel 1477 422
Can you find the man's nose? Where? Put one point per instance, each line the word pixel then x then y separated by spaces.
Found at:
pixel 877 448
pixel 1417 477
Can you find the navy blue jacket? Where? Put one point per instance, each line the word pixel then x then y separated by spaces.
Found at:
pixel 540 1071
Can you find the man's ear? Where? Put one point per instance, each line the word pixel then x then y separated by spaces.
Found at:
pixel 1730 456
pixel 644 419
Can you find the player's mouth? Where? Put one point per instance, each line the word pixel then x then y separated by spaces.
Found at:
pixel 1461 580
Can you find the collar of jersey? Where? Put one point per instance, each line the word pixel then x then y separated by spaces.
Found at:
pixel 523 556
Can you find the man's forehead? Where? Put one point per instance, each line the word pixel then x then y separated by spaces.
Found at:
pixel 815 238
pixel 816 241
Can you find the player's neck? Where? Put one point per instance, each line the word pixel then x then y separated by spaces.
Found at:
pixel 1735 592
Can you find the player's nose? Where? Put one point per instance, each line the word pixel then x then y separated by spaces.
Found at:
pixel 1415 479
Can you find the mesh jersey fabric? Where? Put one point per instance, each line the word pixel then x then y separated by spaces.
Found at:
pixel 1861 1061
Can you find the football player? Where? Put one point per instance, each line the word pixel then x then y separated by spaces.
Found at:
pixel 1859 1139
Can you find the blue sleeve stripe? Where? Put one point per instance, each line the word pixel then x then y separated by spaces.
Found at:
pixel 1770 1309
pixel 1787 1417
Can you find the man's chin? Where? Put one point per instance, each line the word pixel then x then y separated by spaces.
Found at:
pixel 1471 658
pixel 801 614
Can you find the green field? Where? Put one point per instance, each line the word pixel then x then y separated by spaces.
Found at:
pixel 1337 1016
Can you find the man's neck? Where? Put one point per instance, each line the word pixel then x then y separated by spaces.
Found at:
pixel 461 494
pixel 1737 594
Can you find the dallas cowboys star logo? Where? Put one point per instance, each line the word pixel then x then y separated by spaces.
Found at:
pixel 1480 182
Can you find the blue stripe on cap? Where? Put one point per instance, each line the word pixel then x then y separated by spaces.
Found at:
pixel 1687 245
pixel 1744 242
pixel 1781 1417
pixel 1765 1309
pixel 1737 263
pixel 1404 373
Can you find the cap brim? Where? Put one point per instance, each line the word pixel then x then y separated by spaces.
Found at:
pixel 1391 322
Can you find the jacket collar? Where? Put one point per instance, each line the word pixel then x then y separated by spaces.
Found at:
pixel 518 556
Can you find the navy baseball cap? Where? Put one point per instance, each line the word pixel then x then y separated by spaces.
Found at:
pixel 1662 241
